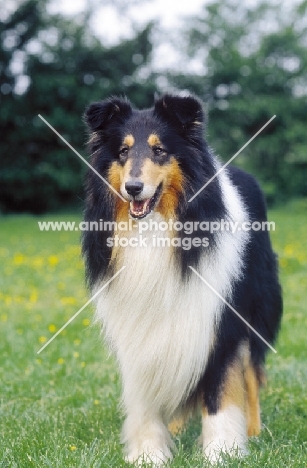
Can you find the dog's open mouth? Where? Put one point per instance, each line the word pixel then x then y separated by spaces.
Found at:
pixel 141 208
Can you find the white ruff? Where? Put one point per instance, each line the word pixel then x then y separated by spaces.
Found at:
pixel 162 330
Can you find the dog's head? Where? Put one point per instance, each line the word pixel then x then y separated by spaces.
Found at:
pixel 144 154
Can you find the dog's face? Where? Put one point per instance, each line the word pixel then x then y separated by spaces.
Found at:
pixel 144 150
pixel 146 173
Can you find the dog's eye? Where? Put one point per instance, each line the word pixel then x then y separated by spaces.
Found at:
pixel 158 150
pixel 123 153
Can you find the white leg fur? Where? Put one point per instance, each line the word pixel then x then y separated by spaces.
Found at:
pixel 224 432
pixel 147 440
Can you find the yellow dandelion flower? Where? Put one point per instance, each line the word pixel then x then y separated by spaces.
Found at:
pixel 289 250
pixel 72 448
pixel 52 328
pixel 53 260
pixel 33 297
pixel 77 341
pixel 61 360
pixel 42 339
pixel 39 361
pixel 18 259
pixel 76 354
pixel 83 364
pixel 68 300
pixel 96 402
pixel 8 300
pixel 86 322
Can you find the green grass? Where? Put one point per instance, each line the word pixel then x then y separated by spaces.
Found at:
pixel 60 408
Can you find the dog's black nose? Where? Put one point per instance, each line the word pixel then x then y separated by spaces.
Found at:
pixel 134 188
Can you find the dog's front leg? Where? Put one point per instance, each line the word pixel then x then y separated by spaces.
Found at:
pixel 146 438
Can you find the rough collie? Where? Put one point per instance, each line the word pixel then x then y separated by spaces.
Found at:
pixel 168 316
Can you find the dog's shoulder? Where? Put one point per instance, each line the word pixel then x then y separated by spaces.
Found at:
pixel 250 192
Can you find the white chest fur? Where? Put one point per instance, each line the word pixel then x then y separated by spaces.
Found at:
pixel 160 328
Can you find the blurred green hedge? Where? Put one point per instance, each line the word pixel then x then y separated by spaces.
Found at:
pixel 253 64
pixel 69 69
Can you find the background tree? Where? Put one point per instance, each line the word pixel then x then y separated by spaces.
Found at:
pixel 67 68
pixel 254 66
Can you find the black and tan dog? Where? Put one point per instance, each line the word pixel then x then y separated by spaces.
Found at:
pixel 178 344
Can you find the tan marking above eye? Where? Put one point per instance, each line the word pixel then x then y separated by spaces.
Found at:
pixel 153 140
pixel 129 140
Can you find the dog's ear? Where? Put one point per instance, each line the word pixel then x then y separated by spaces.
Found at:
pixel 99 114
pixel 184 112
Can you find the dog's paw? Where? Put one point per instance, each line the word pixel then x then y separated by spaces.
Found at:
pixel 215 450
pixel 153 457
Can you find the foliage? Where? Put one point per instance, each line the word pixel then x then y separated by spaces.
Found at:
pixel 254 66
pixel 61 408
pixel 68 68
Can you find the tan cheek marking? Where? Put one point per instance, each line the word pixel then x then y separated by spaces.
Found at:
pixel 172 178
pixel 129 140
pixel 116 175
pixel 153 140
pixel 173 187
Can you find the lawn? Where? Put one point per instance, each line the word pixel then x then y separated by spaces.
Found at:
pixel 60 408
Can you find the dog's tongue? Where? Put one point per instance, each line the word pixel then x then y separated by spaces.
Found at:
pixel 139 207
